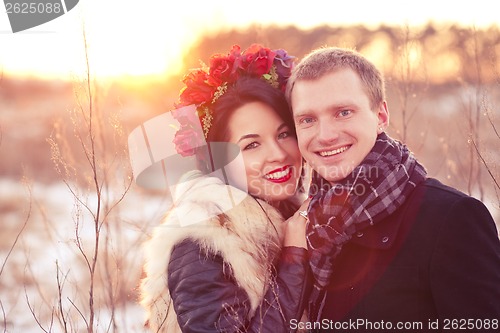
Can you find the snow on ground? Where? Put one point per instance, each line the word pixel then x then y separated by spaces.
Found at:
pixel 30 272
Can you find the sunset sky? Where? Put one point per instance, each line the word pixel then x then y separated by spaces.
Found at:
pixel 146 37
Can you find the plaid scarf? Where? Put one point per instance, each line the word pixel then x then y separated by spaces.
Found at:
pixel 373 191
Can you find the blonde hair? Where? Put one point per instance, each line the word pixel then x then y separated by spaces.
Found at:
pixel 325 60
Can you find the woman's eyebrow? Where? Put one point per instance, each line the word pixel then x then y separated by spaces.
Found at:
pixel 253 136
pixel 248 136
pixel 283 125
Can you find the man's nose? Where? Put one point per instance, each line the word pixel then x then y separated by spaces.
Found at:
pixel 328 131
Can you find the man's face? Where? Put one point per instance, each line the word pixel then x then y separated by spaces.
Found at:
pixel 336 127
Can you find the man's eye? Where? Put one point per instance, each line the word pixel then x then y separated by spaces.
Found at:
pixel 306 120
pixel 344 113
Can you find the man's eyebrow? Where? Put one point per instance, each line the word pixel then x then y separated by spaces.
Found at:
pixel 333 107
pixel 301 114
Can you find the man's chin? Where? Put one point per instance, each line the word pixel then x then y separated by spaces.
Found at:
pixel 334 175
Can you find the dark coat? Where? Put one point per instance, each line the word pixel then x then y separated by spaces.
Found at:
pixel 435 261
pixel 207 298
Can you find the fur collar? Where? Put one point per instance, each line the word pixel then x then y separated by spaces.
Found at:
pixel 248 237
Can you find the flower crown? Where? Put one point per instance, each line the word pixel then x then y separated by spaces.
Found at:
pixel 205 85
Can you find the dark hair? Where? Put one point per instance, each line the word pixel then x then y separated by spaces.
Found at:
pixel 246 90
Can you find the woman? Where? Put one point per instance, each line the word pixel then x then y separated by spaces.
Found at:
pixel 241 269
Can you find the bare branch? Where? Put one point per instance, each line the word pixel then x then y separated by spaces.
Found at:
pixel 60 287
pixel 32 310
pixel 20 231
pixel 4 317
pixel 79 244
pixel 80 312
pixel 484 163
pixel 492 124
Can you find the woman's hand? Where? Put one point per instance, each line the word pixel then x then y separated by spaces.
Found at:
pixel 295 231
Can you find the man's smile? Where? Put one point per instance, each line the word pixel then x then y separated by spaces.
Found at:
pixel 332 152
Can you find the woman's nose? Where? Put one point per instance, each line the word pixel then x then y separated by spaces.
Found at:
pixel 277 152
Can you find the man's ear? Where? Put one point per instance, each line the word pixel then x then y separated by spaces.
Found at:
pixel 383 115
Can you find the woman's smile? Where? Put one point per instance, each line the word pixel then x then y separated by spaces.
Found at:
pixel 280 175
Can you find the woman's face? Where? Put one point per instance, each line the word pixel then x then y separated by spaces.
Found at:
pixel 270 152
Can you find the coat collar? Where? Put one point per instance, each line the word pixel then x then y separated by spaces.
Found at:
pixel 383 234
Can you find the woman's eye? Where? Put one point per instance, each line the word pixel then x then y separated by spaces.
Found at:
pixel 284 135
pixel 251 146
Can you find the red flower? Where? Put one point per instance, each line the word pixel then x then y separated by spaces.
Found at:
pixel 197 89
pixel 205 85
pixel 223 68
pixel 257 60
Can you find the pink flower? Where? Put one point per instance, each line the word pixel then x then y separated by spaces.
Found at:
pixel 186 116
pixel 186 140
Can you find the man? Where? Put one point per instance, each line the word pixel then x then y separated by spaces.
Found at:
pixel 391 249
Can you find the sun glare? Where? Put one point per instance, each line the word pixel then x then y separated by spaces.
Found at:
pixel 136 42
pixel 121 40
pixel 149 37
